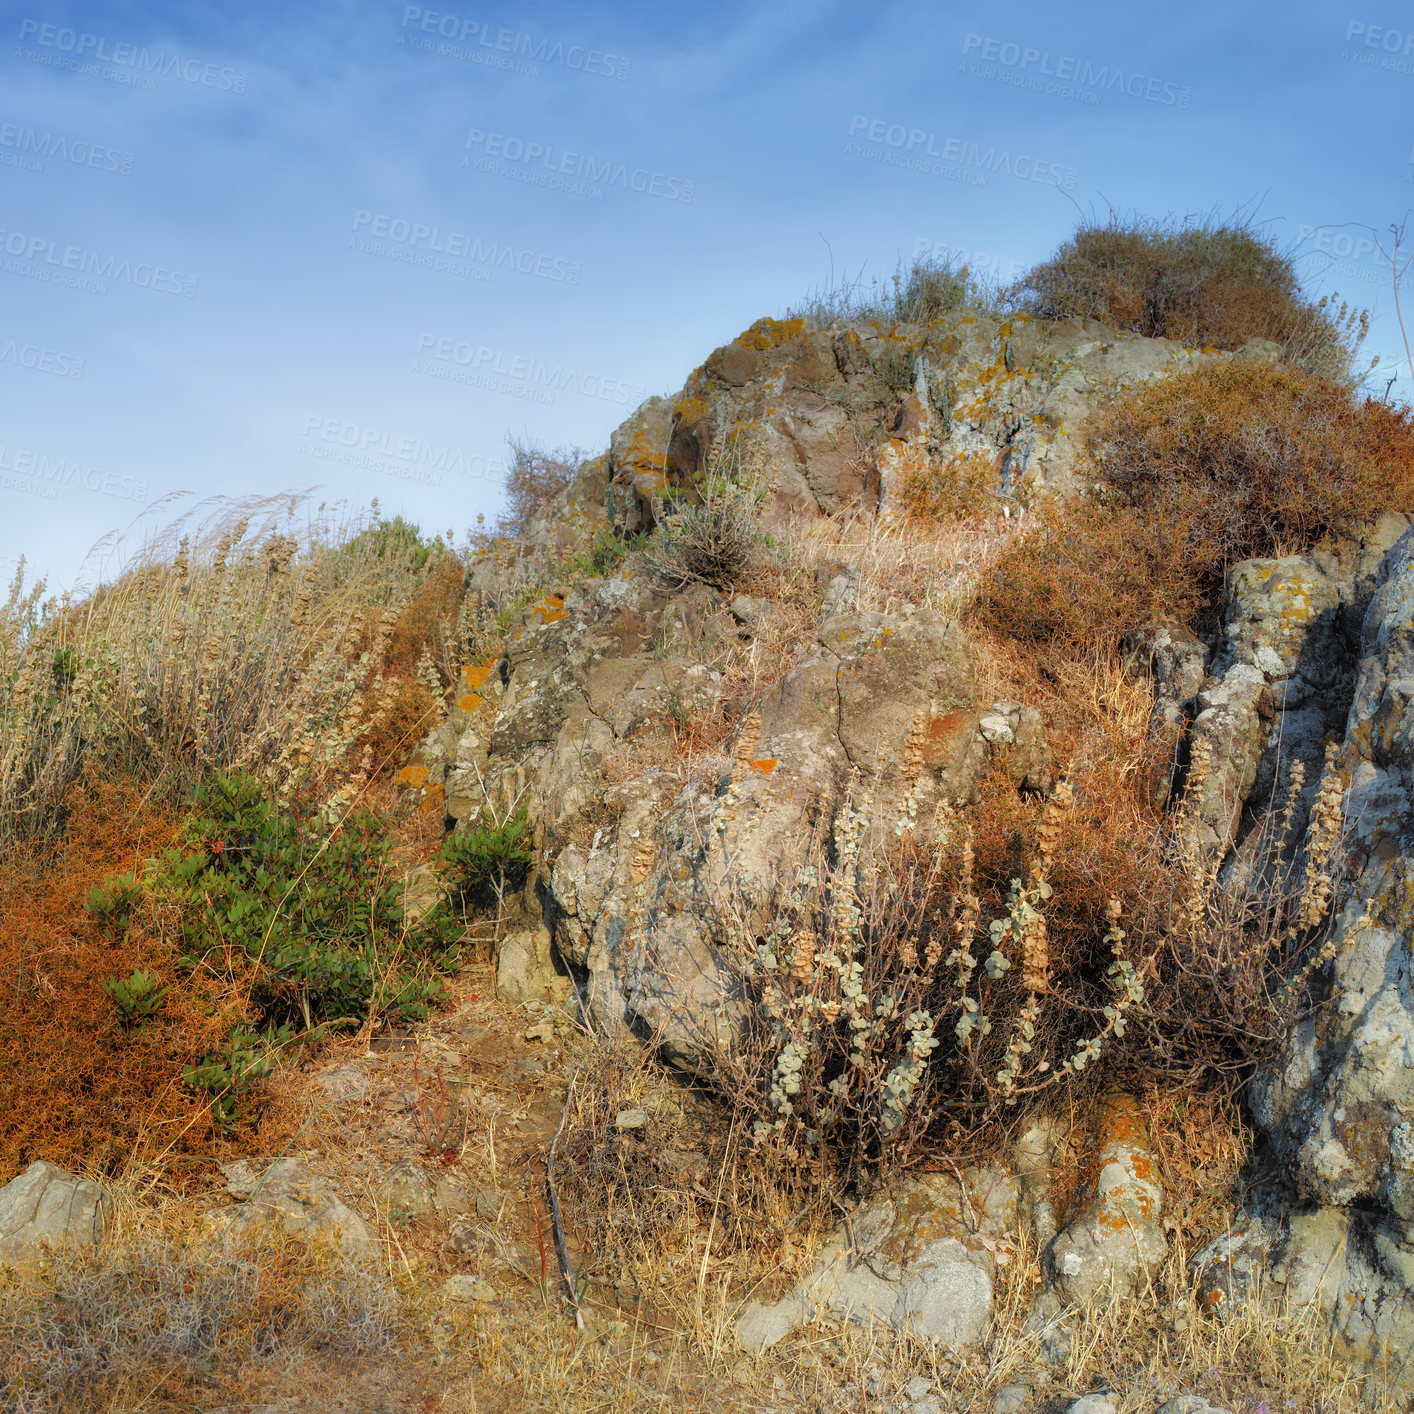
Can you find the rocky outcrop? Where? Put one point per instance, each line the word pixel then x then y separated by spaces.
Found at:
pixel 829 417
pixel 1317 657
pixel 1114 1241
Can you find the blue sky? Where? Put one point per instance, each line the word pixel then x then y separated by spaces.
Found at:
pixel 354 246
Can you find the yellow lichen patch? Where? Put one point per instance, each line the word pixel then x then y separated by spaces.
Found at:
pixel 551 608
pixel 690 407
pixel 470 702
pixel 433 799
pixel 474 675
pixel 415 776
pixel 766 766
pixel 770 333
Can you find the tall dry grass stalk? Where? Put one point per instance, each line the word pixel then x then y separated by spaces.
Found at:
pixel 251 639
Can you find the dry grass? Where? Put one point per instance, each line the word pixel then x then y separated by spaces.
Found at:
pixel 166 1318
pixel 240 646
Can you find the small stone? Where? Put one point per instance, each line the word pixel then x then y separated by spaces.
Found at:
pixel 490 1204
pixel 996 729
pixel 926 1406
pixel 630 1119
pixel 1092 1404
pixel 1011 1399
pixel 407 1193
pixel 467 1287
pixel 541 1031
pixel 916 1388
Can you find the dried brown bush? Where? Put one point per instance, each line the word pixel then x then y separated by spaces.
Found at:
pixel 1224 461
pixel 74 1086
pixel 1204 283
pixel 534 476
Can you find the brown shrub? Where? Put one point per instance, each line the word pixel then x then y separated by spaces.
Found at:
pixel 963 488
pixel 428 625
pixel 1082 574
pixel 74 1087
pixel 1228 460
pixel 1242 458
pixel 1197 282
pixel 534 477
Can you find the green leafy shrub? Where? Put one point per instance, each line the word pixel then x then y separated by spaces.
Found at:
pixel 229 1074
pixel 489 858
pixel 607 553
pixel 135 997
pixel 1200 282
pixel 312 912
pixel 395 539
pixel 111 904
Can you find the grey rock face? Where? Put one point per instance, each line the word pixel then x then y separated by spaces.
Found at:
pixel 47 1207
pixel 920 1259
pixel 1337 1108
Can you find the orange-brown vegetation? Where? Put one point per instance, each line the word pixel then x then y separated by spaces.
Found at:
pixel 75 1088
pixel 1224 461
pixel 1201 283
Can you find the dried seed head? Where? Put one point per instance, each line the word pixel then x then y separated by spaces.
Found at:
pixel 802 962
pixel 748 740
pixel 642 858
pixel 913 747
pixel 1048 834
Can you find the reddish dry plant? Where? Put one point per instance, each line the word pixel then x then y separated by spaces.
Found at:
pixel 74 1087
pixel 1201 283
pixel 1222 462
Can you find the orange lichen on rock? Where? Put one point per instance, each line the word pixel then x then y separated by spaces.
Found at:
pixel 771 333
